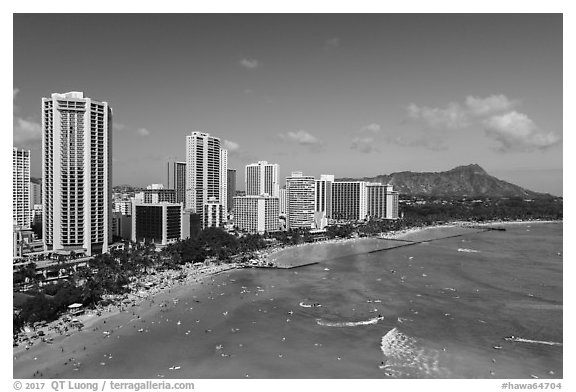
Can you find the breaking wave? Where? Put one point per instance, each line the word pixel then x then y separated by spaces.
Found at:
pixel 348 323
pixel 304 305
pixel 468 250
pixel 406 358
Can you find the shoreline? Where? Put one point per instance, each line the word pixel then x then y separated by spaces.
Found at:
pixel 266 256
pixel 158 283
pixel 142 303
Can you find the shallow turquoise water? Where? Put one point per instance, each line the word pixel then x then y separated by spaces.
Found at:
pixel 444 312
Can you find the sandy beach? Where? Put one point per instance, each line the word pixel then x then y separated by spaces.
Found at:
pixel 140 315
pixel 61 341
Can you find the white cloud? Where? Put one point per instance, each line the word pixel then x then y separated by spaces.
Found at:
pixel 452 117
pixel 517 132
pixel 250 63
pixel 363 144
pixel 374 128
pixel 456 115
pixel 488 105
pixel 301 137
pixel 231 146
pixel 15 91
pixel 143 132
pixel 26 131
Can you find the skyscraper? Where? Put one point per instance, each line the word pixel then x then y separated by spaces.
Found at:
pixel 231 180
pixel 349 200
pixel 224 180
pixel 323 201
pixel 204 163
pixel 177 180
pixel 262 177
pixel 21 187
pixel 77 173
pixel 382 201
pixel 300 197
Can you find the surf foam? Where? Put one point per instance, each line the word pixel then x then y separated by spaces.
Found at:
pixel 348 323
pixel 406 358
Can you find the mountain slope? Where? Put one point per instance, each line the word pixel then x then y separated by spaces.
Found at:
pixel 470 180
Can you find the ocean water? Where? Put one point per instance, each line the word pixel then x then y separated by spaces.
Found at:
pixel 438 309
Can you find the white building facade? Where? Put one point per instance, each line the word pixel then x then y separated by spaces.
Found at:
pixel 257 214
pixel 205 163
pixel 21 206
pixel 262 178
pixel 349 201
pixel 213 214
pixel 323 200
pixel 382 201
pixel 76 173
pixel 300 200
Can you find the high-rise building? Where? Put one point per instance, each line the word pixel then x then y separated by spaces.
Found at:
pixel 21 188
pixel 213 214
pixel 224 180
pixel 262 178
pixel 231 192
pixel 323 204
pixel 159 223
pixel 35 194
pixel 177 180
pixel 300 199
pixel 256 214
pixel 283 202
pixel 76 173
pixel 204 164
pixel 391 204
pixel 156 195
pixel 349 200
pixel 123 207
pixel 382 201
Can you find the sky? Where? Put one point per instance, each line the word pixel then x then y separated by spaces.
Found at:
pixel 352 95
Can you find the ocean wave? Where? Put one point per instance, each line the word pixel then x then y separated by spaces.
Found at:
pixel 522 340
pixel 468 250
pixel 304 305
pixel 349 323
pixel 406 358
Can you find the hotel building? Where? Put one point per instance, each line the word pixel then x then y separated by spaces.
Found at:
pixel 213 214
pixel 262 178
pixel 257 214
pixel 159 223
pixel 176 180
pixel 206 169
pixel 231 191
pixel 349 201
pixel 76 173
pixel 382 201
pixel 300 200
pixel 21 213
pixel 323 202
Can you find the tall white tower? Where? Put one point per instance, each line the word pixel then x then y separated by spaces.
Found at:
pixel 21 187
pixel 77 173
pixel 262 177
pixel 300 200
pixel 204 162
pixel 224 179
